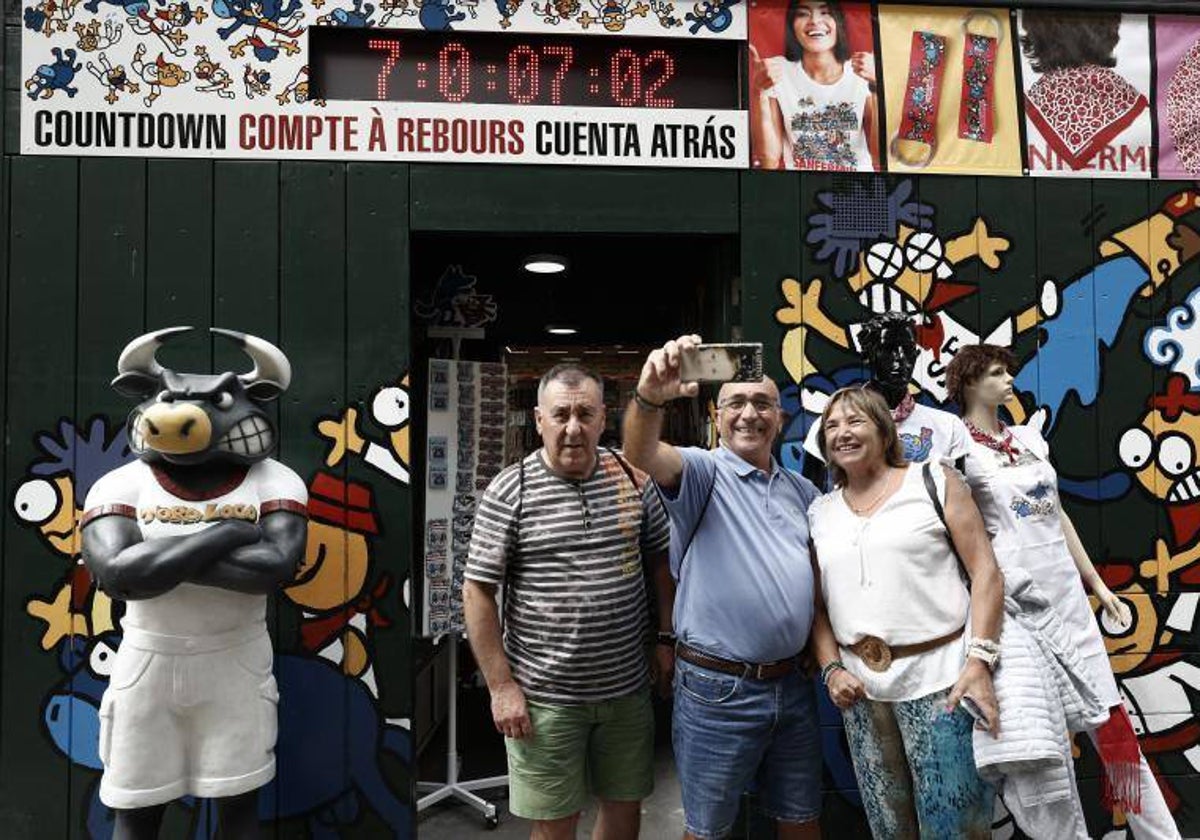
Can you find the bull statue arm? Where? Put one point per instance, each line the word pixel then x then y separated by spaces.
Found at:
pixel 131 568
pixel 262 567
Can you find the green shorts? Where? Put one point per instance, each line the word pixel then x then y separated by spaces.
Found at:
pixel 604 749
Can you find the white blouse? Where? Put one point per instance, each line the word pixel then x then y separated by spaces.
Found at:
pixel 893 575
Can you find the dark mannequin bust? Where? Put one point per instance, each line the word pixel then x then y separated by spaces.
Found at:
pixel 888 345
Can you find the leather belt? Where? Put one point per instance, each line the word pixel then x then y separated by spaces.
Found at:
pixel 878 655
pixel 757 671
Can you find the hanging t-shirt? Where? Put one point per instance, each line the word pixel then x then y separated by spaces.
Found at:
pixel 926 434
pixel 824 122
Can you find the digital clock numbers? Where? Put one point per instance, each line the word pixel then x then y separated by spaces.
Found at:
pixel 523 69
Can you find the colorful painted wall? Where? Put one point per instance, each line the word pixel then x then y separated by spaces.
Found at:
pixel 1095 286
pixel 312 258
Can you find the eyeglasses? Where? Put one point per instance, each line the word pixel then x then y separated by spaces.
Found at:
pixel 737 404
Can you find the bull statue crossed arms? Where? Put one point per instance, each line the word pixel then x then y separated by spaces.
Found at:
pixel 193 536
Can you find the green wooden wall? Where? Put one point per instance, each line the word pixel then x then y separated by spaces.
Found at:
pixel 315 256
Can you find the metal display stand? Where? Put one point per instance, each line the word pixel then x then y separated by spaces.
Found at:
pixel 453 787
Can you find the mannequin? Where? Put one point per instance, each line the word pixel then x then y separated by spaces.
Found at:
pixel 1016 490
pixel 888 344
pixel 193 536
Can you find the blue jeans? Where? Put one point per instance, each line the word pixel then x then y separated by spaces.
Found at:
pixel 732 733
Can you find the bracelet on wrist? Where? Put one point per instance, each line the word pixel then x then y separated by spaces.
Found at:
pixel 988 658
pixel 989 645
pixel 665 637
pixel 827 671
pixel 646 404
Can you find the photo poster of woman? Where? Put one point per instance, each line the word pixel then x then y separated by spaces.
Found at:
pixel 950 90
pixel 1086 78
pixel 1177 97
pixel 813 77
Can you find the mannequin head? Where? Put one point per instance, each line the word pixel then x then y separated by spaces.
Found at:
pixel 980 376
pixel 889 347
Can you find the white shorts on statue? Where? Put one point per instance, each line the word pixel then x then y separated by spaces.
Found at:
pixel 187 716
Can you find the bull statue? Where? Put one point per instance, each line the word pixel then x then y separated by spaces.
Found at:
pixel 193 536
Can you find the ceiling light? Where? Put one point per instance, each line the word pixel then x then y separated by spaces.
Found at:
pixel 560 329
pixel 545 264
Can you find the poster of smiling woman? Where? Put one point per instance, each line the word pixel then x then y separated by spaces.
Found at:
pixel 1086 78
pixel 1177 51
pixel 813 86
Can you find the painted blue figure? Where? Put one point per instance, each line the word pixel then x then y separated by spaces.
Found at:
pixel 437 15
pixel 713 16
pixel 320 786
pixel 271 15
pixel 49 78
pixel 357 17
pixel 1137 260
pixel 35 18
pixel 131 7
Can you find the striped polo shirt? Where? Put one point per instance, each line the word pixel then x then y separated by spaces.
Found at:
pixel 569 553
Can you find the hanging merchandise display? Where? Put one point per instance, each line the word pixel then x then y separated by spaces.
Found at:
pixel 950 89
pixel 1177 52
pixel 465 451
pixel 1086 80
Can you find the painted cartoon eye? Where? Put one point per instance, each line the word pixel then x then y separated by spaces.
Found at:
pixel 36 501
pixel 390 407
pixel 1175 454
pixel 101 659
pixel 1135 448
pixel 885 260
pixel 223 400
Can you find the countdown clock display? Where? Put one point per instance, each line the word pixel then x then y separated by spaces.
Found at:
pixel 524 69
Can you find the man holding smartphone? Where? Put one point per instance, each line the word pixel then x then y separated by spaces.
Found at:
pixel 744 712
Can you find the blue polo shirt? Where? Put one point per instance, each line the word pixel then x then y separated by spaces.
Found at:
pixel 745 589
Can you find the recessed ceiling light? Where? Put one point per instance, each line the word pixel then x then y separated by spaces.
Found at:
pixel 560 329
pixel 545 264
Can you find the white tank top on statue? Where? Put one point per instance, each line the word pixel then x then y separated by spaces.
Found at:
pixel 893 575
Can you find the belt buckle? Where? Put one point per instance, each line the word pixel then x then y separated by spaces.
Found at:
pixel 875 653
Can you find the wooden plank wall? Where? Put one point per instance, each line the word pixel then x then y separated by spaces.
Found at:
pixel 315 257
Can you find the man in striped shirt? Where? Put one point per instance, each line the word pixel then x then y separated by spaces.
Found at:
pixel 566 531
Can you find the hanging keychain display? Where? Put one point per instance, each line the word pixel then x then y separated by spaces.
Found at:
pixel 976 113
pixel 922 96
pixel 923 91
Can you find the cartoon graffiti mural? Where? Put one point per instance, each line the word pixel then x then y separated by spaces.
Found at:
pixel 877 247
pixel 332 773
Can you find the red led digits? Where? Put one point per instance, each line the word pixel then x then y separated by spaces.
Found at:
pixel 459 74
pixel 392 48
pixel 528 75
pixel 565 56
pixel 625 77
pixel 667 63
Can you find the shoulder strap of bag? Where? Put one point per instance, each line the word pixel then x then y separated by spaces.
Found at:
pixel 931 489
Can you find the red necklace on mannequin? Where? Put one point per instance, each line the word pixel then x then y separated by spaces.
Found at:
pixel 1002 441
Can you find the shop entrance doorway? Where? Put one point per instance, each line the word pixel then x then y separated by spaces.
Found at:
pixel 484 329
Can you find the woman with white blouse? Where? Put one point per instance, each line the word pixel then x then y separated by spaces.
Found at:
pixel 891 629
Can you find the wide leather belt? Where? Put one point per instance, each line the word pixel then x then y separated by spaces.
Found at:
pixel 878 655
pixel 754 670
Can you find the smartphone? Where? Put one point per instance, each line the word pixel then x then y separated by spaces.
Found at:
pixel 722 363
pixel 972 708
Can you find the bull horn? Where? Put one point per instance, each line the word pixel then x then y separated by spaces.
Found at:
pixel 138 355
pixel 270 365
